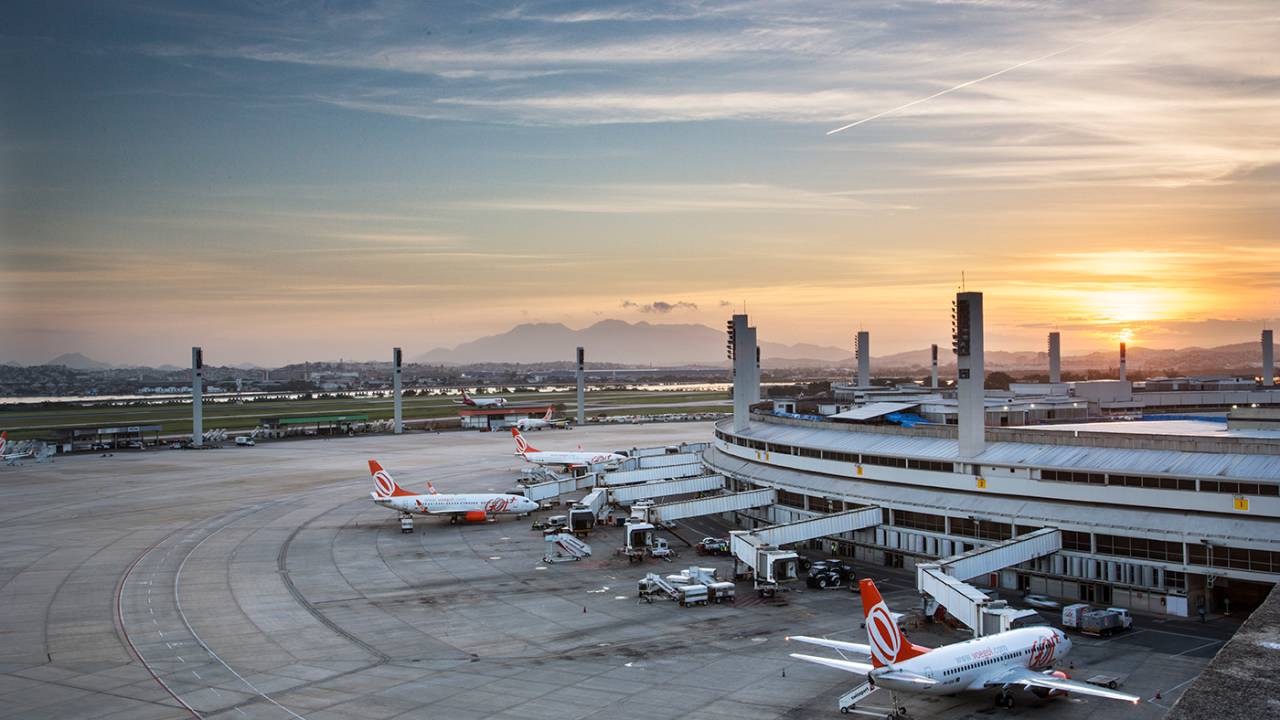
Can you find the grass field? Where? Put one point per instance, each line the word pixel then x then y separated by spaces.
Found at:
pixel 24 422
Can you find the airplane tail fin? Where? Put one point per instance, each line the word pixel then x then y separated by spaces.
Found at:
pixel 522 445
pixel 431 488
pixel 889 644
pixel 4 440
pixel 548 415
pixel 383 485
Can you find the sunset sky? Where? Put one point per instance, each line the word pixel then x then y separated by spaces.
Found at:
pixel 330 180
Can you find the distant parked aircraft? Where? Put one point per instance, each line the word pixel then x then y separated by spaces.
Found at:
pixel 527 424
pixel 8 454
pixel 1022 657
pixel 481 402
pixel 474 507
pixel 563 458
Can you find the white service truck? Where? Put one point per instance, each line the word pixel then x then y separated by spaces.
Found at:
pixel 1087 620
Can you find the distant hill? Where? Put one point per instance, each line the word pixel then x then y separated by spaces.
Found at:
pixel 76 361
pixel 642 343
pixel 1242 357
pixel 615 341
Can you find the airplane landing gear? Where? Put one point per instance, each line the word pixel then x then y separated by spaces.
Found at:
pixel 1005 700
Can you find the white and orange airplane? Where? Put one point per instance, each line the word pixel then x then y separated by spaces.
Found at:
pixel 563 458
pixel 472 507
pixel 10 456
pixel 1022 657
pixel 527 424
pixel 481 402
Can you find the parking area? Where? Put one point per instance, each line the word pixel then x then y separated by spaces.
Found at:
pixel 263 582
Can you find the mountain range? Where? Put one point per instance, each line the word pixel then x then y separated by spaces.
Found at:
pixel 643 343
pixel 616 341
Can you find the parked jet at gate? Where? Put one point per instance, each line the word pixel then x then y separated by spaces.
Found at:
pixel 527 424
pixel 1021 657
pixel 481 402
pixel 9 456
pixel 562 458
pixel 473 507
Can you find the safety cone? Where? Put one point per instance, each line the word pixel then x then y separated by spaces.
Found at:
pixel 1157 694
pixel 584 608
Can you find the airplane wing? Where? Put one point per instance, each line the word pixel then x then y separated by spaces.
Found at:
pixel 1028 678
pixel 846 665
pixel 854 648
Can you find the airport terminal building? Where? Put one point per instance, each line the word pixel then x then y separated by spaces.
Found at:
pixel 1159 521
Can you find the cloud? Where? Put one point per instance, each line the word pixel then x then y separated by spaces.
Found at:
pixel 660 307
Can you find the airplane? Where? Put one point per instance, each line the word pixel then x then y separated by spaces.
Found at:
pixel 1022 657
pixel 472 507
pixel 527 424
pixel 12 457
pixel 481 402
pixel 565 459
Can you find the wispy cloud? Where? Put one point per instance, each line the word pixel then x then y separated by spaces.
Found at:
pixel 660 307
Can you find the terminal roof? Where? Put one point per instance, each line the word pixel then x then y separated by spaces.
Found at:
pixel 1135 461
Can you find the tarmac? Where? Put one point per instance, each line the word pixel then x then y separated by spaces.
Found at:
pixel 262 582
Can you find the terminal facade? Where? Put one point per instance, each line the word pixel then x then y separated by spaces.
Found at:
pixel 1158 523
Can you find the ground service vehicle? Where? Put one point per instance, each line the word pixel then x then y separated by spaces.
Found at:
pixel 829 573
pixel 1082 617
pixel 712 546
pixel 555 522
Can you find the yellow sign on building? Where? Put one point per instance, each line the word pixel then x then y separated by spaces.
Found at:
pixel 982 483
pixel 1241 503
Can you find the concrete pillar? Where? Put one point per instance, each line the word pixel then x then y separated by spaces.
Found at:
pixel 862 350
pixel 582 387
pixel 1123 361
pixel 742 351
pixel 1055 357
pixel 970 372
pixel 197 397
pixel 753 387
pixel 1268 359
pixel 395 390
pixel 933 375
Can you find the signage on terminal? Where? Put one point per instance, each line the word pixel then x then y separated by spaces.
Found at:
pixel 982 483
pixel 964 373
pixel 1240 503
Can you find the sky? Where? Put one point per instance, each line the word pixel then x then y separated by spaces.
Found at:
pixel 288 181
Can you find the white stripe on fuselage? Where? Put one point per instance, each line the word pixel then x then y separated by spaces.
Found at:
pixel 967 665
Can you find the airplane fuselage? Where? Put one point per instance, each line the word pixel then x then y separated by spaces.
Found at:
pixel 572 458
pixel 967 665
pixel 458 504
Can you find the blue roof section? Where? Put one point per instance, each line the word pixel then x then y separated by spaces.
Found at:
pixel 1068 457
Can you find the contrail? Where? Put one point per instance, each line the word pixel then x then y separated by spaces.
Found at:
pixel 997 73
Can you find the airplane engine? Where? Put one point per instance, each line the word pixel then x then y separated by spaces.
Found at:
pixel 475 516
pixel 1047 693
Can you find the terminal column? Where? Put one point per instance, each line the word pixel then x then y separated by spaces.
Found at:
pixel 933 375
pixel 862 349
pixel 582 387
pixel 1268 359
pixel 746 379
pixel 197 397
pixel 395 390
pixel 970 371
pixel 1055 357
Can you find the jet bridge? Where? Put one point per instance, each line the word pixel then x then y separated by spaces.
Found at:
pixel 670 512
pixel 944 580
pixel 682 486
pixel 654 474
pixel 555 488
pixel 772 567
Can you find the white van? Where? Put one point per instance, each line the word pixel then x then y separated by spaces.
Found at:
pixel 244 440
